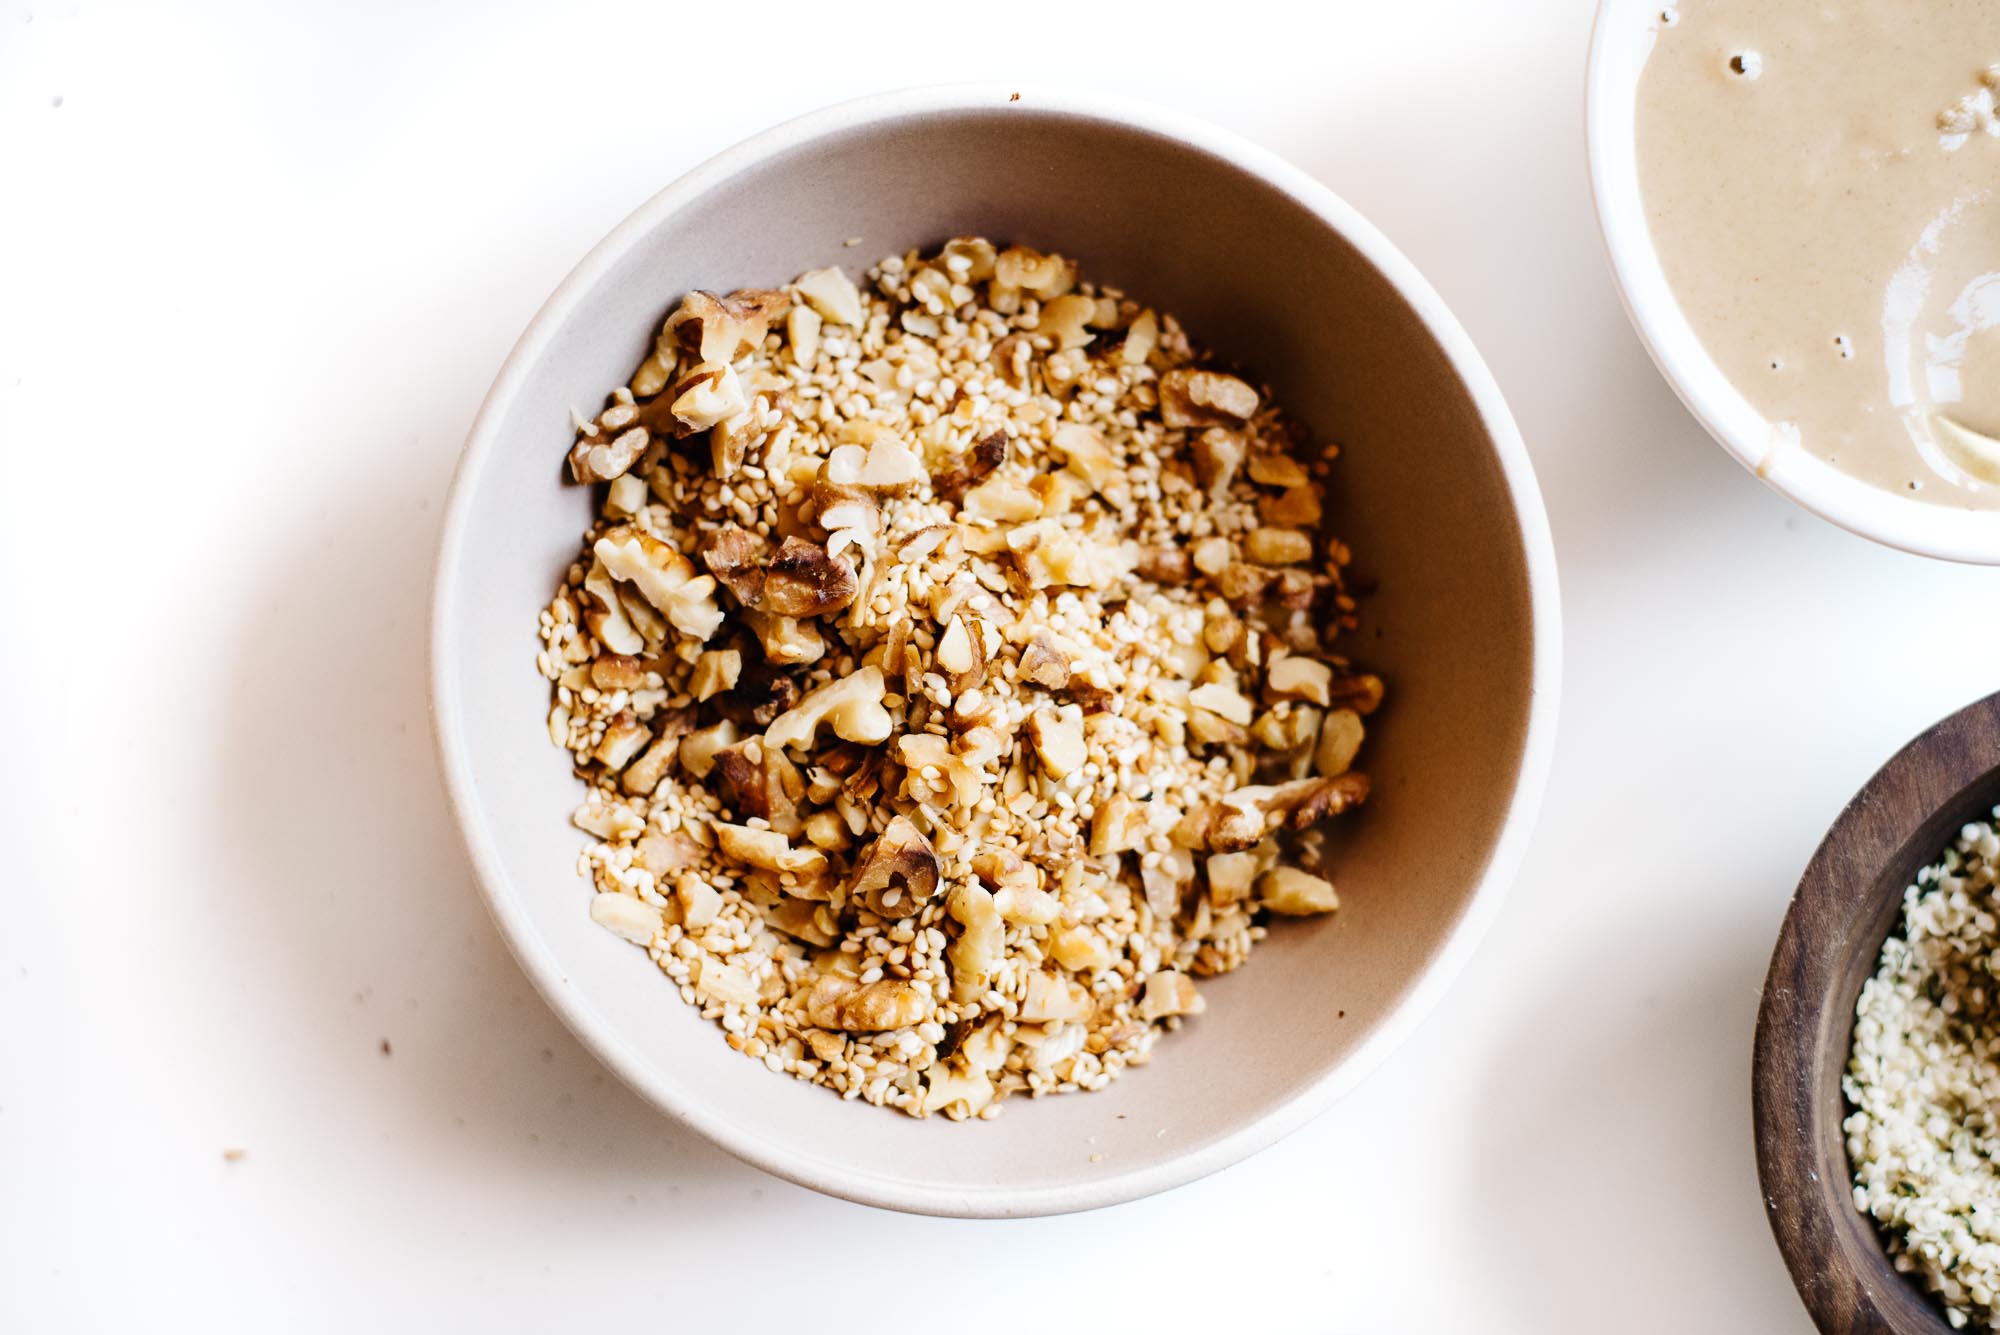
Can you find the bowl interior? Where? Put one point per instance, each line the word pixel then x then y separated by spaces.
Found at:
pixel 1624 37
pixel 1421 495
pixel 1848 903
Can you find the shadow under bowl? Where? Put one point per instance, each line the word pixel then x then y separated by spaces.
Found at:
pixel 1433 492
pixel 1848 902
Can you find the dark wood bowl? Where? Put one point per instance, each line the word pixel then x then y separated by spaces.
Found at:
pixel 1848 902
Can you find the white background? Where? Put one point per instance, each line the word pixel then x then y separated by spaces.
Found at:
pixel 257 266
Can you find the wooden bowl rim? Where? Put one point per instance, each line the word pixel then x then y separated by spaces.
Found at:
pixel 1911 806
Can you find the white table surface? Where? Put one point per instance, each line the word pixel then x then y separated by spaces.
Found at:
pixel 257 266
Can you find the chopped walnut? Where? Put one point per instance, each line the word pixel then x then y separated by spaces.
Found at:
pixel 717 670
pixel 1297 678
pixel 1053 996
pixel 624 738
pixel 1066 319
pixel 1231 876
pixel 1362 694
pixel 975 955
pixel 840 1003
pixel 987 453
pixel 1046 664
pixel 643 775
pixel 637 922
pixel 831 293
pixel 803 581
pixel 1058 738
pixel 664 578
pixel 767 849
pixel 885 466
pixel 851 706
pixel 1278 546
pixel 1205 398
pixel 604 613
pixel 1119 826
pixel 1218 453
pixel 1290 891
pixel 1170 993
pixel 1340 737
pixel 1277 470
pixel 802 327
pixel 898 873
pixel 786 640
pixel 798 580
pixel 721 329
pixel 699 748
pixel 1043 276
pixel 593 460
pixel 1164 565
pixel 708 393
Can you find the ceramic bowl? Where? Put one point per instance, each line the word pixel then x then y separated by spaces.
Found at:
pixel 1620 43
pixel 1848 902
pixel 1434 492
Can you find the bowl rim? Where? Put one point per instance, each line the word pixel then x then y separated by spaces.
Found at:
pixel 1912 805
pixel 1924 529
pixel 449 726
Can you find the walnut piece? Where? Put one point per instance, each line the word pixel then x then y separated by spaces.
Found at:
pixel 717 670
pixel 1205 398
pixel 851 706
pixel 699 748
pixel 1079 949
pixel 1065 319
pixel 798 580
pixel 706 394
pixel 663 577
pixel 1290 891
pixel 624 738
pixel 1170 992
pixel 975 956
pixel 1057 735
pixel 721 329
pixel 635 920
pixel 1046 664
pixel 888 465
pixel 1340 737
pixel 1294 677
pixel 803 581
pixel 1053 996
pixel 856 1008
pixel 831 293
pixel 986 454
pixel 592 459
pixel 604 614
pixel 787 641
pixel 1231 876
pixel 1218 453
pixel 1243 818
pixel 898 874
pixel 1277 470
pixel 767 849
pixel 1277 546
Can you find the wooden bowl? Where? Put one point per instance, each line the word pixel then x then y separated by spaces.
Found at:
pixel 1848 902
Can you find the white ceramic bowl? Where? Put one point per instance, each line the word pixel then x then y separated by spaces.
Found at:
pixel 1434 493
pixel 1619 44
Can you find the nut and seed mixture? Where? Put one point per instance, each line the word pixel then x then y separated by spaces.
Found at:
pixel 1924 1082
pixel 952 669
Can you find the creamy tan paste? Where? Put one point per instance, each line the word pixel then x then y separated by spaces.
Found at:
pixel 1820 180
